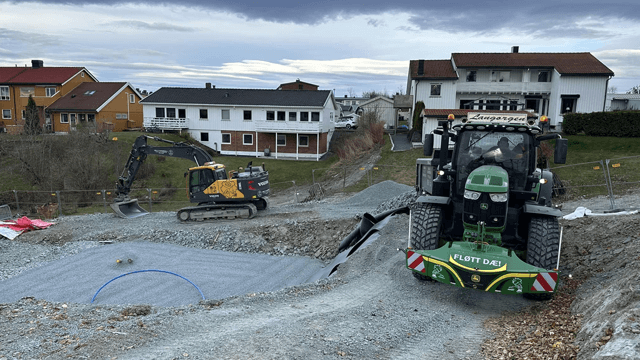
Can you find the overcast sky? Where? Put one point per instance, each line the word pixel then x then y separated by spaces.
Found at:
pixel 346 46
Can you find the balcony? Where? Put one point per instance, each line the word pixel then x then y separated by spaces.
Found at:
pixel 165 123
pixel 503 87
pixel 288 126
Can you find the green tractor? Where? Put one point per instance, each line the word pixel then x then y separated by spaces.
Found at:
pixel 484 217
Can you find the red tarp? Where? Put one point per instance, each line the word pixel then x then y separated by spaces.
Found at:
pixel 21 225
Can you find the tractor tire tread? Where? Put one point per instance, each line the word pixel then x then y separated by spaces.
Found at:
pixel 542 247
pixel 426 224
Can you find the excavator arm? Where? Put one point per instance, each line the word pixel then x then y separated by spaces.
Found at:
pixel 139 153
pixel 127 208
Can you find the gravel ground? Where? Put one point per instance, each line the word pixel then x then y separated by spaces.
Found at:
pixel 370 308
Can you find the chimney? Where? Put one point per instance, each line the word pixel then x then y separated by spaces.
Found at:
pixel 515 49
pixel 420 67
pixel 207 85
pixel 37 64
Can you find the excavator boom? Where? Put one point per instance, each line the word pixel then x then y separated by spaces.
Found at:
pixel 217 196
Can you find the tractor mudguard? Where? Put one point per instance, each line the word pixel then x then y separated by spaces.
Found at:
pixel 430 199
pixel 541 210
pixel 481 266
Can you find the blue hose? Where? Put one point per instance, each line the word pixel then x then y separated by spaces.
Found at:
pixel 149 270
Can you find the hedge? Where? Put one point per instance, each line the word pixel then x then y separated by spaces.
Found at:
pixel 609 123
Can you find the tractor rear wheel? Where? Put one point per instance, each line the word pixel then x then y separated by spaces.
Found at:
pixel 542 247
pixel 426 229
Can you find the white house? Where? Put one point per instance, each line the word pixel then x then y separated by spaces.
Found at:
pixel 623 102
pixel 548 84
pixel 382 106
pixel 279 123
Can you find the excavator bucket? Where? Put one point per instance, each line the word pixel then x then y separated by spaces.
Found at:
pixel 128 209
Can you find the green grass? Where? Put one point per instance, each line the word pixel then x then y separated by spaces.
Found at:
pixel 583 175
pixel 167 180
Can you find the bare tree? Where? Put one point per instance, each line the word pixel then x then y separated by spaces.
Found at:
pixel 374 94
pixel 351 92
pixel 612 90
pixel 634 90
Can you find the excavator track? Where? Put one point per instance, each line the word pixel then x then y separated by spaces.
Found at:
pixel 217 211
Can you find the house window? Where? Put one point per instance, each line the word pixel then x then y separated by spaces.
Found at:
pixel 271 115
pixel 471 75
pixel 568 105
pixel 91 117
pixel 50 91
pixel 500 76
pixel 82 117
pixel 282 140
pixel 435 89
pixel 72 118
pixel 543 76
pixel 315 116
pixel 226 115
pixel 89 92
pixel 4 93
pixel 226 138
pixel 24 114
pixel 247 139
pixel 204 136
pixel 246 115
pixel 282 115
pixel 304 116
pixel 182 113
pixel 303 140
pixel 204 114
pixel 293 116
pixel 27 91
pixel 132 98
pixel 121 116
pixel 159 112
pixel 171 113
pixel 6 114
pixel 64 118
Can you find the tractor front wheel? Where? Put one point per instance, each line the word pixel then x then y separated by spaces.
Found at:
pixel 426 229
pixel 542 247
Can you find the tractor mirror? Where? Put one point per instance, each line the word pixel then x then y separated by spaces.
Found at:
pixel 560 152
pixel 427 147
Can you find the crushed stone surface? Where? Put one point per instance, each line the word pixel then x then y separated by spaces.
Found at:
pixel 370 308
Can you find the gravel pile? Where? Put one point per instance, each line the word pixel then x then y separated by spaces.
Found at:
pixel 371 308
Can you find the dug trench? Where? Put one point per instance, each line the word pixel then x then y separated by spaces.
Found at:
pixel 371 307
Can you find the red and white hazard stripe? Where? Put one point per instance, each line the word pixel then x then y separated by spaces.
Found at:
pixel 545 282
pixel 415 261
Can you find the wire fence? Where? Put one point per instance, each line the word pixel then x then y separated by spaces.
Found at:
pixel 50 204
pixel 615 183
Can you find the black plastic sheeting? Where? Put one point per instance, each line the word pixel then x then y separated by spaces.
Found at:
pixel 361 237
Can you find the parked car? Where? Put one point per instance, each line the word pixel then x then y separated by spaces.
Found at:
pixel 346 123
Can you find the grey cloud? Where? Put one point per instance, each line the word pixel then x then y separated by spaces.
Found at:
pixel 452 15
pixel 141 25
pixel 26 38
pixel 375 23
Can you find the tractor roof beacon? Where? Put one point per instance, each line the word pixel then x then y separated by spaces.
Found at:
pixel 483 218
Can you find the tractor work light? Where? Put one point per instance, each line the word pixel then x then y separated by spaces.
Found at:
pixel 471 195
pixel 543 181
pixel 499 197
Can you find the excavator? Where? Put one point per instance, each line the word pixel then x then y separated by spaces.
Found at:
pixel 218 195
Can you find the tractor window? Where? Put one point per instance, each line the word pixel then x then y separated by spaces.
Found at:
pixel 509 150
